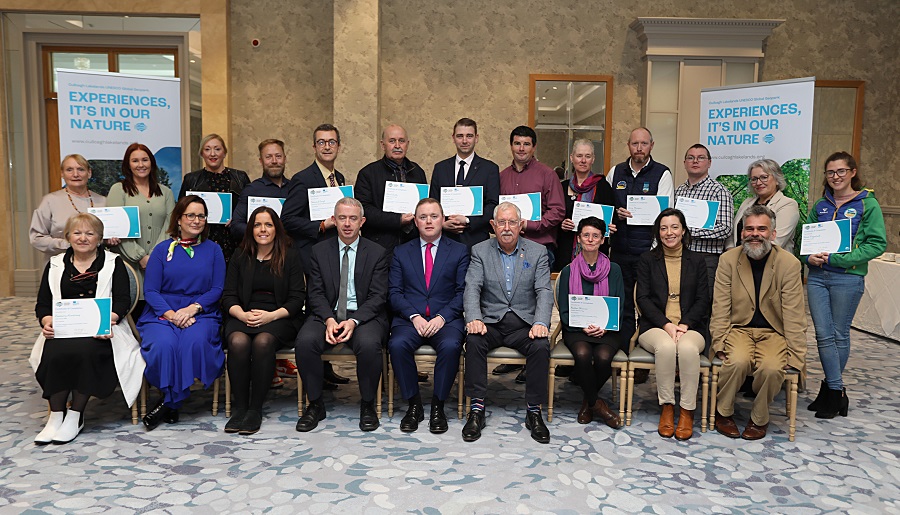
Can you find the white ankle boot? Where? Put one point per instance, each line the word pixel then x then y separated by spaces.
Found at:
pixel 71 426
pixel 49 431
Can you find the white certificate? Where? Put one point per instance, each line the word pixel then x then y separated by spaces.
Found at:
pixel 645 208
pixel 74 318
pixel 699 214
pixel 119 222
pixel 586 209
pixel 528 203
pixel 585 310
pixel 255 202
pixel 402 197
pixel 832 237
pixel 322 200
pixel 463 200
pixel 218 206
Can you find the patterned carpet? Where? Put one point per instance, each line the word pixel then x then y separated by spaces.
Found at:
pixel 847 465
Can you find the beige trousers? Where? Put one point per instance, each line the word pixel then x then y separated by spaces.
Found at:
pixel 762 352
pixel 685 356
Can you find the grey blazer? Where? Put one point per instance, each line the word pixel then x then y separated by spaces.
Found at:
pixel 485 298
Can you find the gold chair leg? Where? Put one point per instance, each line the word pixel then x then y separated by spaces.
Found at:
pixel 391 393
pixel 227 395
pixel 459 391
pixel 792 411
pixel 300 403
pixel 713 392
pixel 215 403
pixel 704 398
pixel 551 390
pixel 629 395
pixel 623 390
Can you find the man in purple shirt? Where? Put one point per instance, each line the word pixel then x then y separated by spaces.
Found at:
pixel 528 175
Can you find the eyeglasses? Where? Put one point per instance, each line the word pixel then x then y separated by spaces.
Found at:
pixel 194 216
pixel 329 142
pixel 506 223
pixel 699 159
pixel 840 172
pixel 759 178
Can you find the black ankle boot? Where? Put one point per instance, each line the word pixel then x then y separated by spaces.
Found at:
pixel 835 402
pixel 155 416
pixel 816 405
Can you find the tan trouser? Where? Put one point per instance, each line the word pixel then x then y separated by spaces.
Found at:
pixel 762 352
pixel 686 355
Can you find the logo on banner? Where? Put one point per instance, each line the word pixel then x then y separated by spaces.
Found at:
pixel 769 138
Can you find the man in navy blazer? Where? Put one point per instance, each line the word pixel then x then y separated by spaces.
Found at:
pixel 320 174
pixel 425 290
pixel 346 305
pixel 467 168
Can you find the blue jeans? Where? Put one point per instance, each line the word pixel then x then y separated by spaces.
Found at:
pixel 833 299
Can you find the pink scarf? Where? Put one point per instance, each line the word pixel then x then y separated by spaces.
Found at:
pixel 579 270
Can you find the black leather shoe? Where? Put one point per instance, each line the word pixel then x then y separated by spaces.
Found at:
pixel 332 377
pixel 437 423
pixel 534 422
pixel 155 416
pixel 414 414
pixel 234 423
pixel 520 379
pixel 251 423
pixel 171 417
pixel 329 386
pixel 314 413
pixel 499 370
pixel 368 419
pixel 474 424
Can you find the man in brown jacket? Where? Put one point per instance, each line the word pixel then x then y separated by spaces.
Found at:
pixel 758 322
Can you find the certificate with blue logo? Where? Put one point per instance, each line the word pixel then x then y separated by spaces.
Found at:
pixel 586 209
pixel 528 203
pixel 463 200
pixel 699 214
pixel 585 310
pixel 218 206
pixel 76 318
pixel 119 222
pixel 832 237
pixel 256 202
pixel 645 208
pixel 402 197
pixel 322 200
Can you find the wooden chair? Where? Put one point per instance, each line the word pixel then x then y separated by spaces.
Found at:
pixel 341 353
pixel 427 354
pixel 791 382
pixel 561 355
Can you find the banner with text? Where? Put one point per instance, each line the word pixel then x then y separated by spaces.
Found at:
pixel 101 113
pixel 740 124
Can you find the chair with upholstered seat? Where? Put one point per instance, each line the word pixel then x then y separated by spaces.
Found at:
pixel 341 353
pixel 791 383
pixel 426 354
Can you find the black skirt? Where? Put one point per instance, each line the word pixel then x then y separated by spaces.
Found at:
pixel 82 364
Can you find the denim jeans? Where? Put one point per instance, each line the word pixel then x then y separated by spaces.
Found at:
pixel 833 299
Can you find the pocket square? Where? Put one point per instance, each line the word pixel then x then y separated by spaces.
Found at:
pixel 526 265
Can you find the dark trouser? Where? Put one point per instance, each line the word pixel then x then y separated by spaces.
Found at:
pixel 365 343
pixel 712 264
pixel 510 332
pixel 551 253
pixel 628 264
pixel 402 346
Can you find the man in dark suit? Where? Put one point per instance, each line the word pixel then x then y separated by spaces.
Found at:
pixel 428 278
pixel 383 227
pixel 295 213
pixel 347 299
pixel 507 303
pixel 273 183
pixel 320 174
pixel 467 168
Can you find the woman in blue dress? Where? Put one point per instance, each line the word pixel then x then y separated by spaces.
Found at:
pixel 180 325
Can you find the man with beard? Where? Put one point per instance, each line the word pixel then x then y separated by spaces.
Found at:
pixel 758 323
pixel 273 183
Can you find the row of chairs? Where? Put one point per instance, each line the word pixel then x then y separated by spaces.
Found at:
pixel 622 381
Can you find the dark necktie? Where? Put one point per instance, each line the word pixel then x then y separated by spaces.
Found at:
pixel 429 266
pixel 345 275
pixel 331 181
pixel 461 176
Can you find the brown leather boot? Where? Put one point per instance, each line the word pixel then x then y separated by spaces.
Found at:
pixel 601 410
pixel 585 415
pixel 667 421
pixel 685 429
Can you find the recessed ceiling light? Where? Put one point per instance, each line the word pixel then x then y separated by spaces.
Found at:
pixel 193 61
pixel 543 98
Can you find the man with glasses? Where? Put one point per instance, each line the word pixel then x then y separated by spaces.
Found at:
pixel 710 243
pixel 512 312
pixel 383 227
pixel 425 291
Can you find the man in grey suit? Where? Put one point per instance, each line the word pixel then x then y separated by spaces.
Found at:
pixel 507 302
